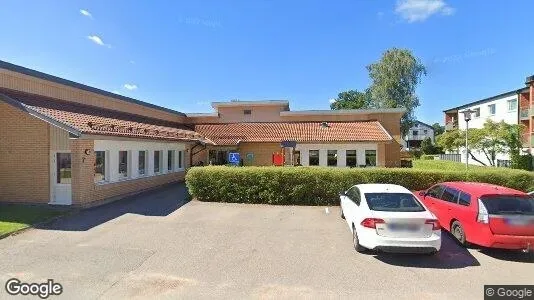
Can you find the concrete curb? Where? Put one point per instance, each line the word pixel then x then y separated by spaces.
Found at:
pixel 19 231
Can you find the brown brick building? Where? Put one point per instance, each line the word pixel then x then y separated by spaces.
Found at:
pixel 66 143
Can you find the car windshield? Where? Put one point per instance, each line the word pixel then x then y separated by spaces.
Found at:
pixel 509 204
pixel 401 202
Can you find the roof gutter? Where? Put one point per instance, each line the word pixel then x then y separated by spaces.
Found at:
pixel 73 131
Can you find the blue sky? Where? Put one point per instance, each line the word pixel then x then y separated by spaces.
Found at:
pixel 185 54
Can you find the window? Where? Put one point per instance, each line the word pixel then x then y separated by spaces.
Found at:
pixel 509 205
pixel 218 157
pixel 123 164
pixel 354 195
pixel 464 199
pixel 170 160
pixel 425 131
pixel 157 161
pixel 247 112
pixel 180 159
pixel 350 157
pixel 100 166
pixel 393 202
pixel 415 132
pixel 142 163
pixel 370 158
pixel 491 109
pixel 63 168
pixel 450 195
pixel 331 158
pixel 512 104
pixel 314 157
pixel 477 112
pixel 435 191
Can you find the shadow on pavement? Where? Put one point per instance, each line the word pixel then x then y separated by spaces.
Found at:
pixel 451 256
pixel 509 255
pixel 158 202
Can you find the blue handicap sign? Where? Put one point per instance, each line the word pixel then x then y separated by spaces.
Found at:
pixel 234 158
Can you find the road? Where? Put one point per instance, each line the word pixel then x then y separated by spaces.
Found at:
pixel 156 245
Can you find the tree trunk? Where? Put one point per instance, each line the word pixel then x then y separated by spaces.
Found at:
pixel 476 159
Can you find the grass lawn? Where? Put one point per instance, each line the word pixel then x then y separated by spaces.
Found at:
pixel 442 165
pixel 15 216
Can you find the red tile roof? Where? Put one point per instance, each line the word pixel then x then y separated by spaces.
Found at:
pixel 231 134
pixel 93 120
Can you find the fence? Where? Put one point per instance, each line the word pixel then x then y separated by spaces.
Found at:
pixel 451 157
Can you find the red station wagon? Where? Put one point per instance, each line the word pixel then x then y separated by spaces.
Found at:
pixel 483 214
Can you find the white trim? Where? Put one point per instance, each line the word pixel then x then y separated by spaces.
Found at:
pixel 250 103
pixel 53 178
pixel 343 112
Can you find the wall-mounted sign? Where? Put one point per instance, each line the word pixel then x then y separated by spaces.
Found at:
pixel 292 144
pixel 250 156
pixel 234 158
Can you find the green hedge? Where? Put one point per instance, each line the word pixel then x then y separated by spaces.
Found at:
pixel 523 162
pixel 320 185
pixel 427 157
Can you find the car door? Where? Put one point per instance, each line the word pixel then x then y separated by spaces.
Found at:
pixel 449 206
pixel 432 199
pixel 352 203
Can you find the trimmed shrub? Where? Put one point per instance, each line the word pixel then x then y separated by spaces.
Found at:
pixel 523 162
pixel 321 185
pixel 427 157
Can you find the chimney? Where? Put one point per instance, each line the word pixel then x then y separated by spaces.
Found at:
pixel 530 80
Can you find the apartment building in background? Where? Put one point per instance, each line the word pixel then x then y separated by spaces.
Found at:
pixel 66 143
pixel 513 107
pixel 417 133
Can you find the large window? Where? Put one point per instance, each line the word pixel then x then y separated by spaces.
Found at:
pixel 63 168
pixel 399 202
pixel 170 160
pixel 123 164
pixel 370 158
pixel 415 132
pixel 100 166
pixel 351 160
pixel 331 158
pixel 450 195
pixel 314 157
pixel 180 159
pixel 477 112
pixel 512 105
pixel 142 163
pixel 491 109
pixel 157 161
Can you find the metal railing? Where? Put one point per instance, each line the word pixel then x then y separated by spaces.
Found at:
pixel 524 113
pixel 450 157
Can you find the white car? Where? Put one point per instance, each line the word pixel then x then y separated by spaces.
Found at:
pixel 389 218
pixel 531 193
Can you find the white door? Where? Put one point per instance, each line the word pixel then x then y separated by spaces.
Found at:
pixel 61 176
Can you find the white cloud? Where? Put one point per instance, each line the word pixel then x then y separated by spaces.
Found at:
pixel 130 86
pixel 97 40
pixel 332 101
pixel 420 10
pixel 86 13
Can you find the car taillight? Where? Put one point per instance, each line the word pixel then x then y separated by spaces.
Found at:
pixel 434 223
pixel 371 222
pixel 482 216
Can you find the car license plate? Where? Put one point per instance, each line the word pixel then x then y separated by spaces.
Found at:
pixel 403 227
pixel 517 221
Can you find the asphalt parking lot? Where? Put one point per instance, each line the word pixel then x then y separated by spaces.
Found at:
pixel 156 245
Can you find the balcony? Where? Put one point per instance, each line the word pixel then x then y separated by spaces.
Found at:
pixel 525 113
pixel 451 126
pixel 526 137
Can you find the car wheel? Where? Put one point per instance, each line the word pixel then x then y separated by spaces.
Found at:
pixel 359 248
pixel 458 233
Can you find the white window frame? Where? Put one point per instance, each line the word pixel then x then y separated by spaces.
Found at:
pixel 172 160
pixel 106 167
pixel 146 163
pixel 477 112
pixel 160 163
pixel 510 102
pixel 180 159
pixel 492 107
pixel 128 165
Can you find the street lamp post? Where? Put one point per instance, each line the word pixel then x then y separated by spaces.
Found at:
pixel 467 117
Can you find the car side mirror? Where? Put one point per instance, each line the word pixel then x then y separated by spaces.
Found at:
pixel 422 193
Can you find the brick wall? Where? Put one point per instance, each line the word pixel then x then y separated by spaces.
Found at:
pixel 263 153
pixel 24 157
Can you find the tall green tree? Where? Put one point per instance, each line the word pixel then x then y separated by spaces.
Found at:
pixel 491 139
pixel 394 80
pixel 438 128
pixel 352 99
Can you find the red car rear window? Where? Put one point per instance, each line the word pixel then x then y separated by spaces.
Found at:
pixel 509 204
